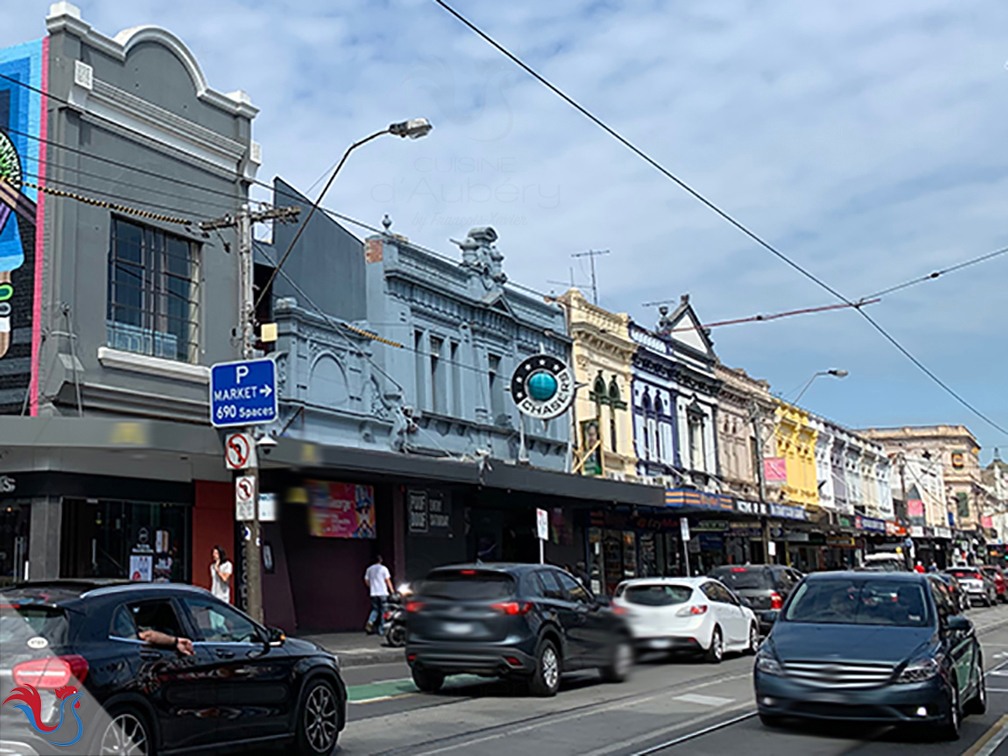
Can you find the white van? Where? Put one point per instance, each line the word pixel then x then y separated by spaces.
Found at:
pixel 885 562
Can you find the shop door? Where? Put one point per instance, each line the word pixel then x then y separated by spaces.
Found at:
pixel 14 519
pixel 612 552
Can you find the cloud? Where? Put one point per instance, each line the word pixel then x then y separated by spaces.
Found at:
pixel 865 139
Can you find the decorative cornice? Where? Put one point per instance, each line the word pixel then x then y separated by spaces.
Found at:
pixel 65 17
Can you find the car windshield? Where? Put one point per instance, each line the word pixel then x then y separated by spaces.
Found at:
pixel 468 585
pixel 741 578
pixel 658 595
pixel 19 624
pixel 871 601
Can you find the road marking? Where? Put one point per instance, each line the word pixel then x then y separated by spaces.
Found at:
pixel 382 698
pixel 997 690
pixel 704 700
pixel 639 739
pixel 588 711
pixel 991 739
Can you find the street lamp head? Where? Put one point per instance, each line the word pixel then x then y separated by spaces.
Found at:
pixel 838 373
pixel 413 128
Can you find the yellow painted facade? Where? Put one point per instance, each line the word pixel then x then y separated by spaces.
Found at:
pixel 795 438
pixel 602 354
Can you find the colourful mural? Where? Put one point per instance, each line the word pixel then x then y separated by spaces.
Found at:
pixel 23 75
pixel 340 510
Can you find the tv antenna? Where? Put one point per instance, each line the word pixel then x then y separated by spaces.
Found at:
pixel 592 254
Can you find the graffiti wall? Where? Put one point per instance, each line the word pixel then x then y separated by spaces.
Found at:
pixel 23 75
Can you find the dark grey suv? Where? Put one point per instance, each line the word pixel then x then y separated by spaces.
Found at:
pixel 526 621
pixel 761 586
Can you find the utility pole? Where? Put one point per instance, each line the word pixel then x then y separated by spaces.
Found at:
pixel 755 416
pixel 592 254
pixel 243 222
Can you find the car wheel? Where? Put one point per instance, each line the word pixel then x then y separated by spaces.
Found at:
pixel 546 678
pixel 753 646
pixel 619 665
pixel 770 720
pixel 949 728
pixel 716 651
pixel 428 680
pixel 127 732
pixel 978 704
pixel 317 719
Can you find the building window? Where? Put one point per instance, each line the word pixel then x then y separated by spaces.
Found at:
pixel 696 442
pixel 496 387
pixel 439 377
pixel 456 372
pixel 420 355
pixel 153 293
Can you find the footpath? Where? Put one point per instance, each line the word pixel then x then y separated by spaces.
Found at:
pixel 355 649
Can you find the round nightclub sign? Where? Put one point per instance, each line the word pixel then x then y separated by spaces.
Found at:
pixel 543 387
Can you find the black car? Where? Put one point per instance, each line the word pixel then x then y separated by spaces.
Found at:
pixel 77 644
pixel 960 598
pixel 869 646
pixel 526 621
pixel 761 586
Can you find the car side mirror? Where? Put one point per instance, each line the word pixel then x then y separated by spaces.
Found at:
pixel 602 601
pixel 770 616
pixel 275 636
pixel 958 623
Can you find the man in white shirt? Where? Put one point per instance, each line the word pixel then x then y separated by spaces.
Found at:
pixel 379 582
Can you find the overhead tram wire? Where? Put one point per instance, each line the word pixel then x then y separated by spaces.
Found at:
pixel 938 273
pixel 709 204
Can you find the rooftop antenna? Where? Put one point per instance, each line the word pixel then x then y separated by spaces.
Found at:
pixel 592 254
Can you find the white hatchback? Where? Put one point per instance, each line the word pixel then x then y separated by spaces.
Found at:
pixel 686 614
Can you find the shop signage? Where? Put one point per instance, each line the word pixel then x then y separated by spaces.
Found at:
pixel 752 507
pixel 685 497
pixel 986 521
pixel 429 513
pixel 340 510
pixel 711 542
pixel 787 512
pixel 7 484
pixel 940 532
pixel 869 523
pixel 775 469
pixel 796 537
pixel 239 451
pixel 543 386
pixel 684 529
pixel 917 531
pixel 710 526
pixel 893 528
pixel 267 507
pixel 841 542
pixel 542 524
pixel 243 393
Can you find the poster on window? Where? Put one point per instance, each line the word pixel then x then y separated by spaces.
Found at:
pixel 340 510
pixel 775 469
pixel 591 448
pixel 23 161
pixel 141 567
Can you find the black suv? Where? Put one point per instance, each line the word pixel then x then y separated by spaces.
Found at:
pixel 526 621
pixel 762 587
pixel 71 656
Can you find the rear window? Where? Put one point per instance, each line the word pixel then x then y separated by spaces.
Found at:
pixel 964 572
pixel 18 625
pixel 468 585
pixel 657 595
pixel 743 578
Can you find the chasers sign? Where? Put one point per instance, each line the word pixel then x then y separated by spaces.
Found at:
pixel 543 387
pixel 243 393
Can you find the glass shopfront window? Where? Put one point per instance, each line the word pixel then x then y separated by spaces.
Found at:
pixel 14 519
pixel 139 541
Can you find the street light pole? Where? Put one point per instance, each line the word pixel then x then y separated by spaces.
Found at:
pixel 835 373
pixel 755 416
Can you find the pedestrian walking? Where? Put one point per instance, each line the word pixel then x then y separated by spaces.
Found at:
pixel 220 574
pixel 919 568
pixel 379 582
pixel 581 572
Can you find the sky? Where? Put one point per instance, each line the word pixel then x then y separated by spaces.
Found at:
pixel 865 140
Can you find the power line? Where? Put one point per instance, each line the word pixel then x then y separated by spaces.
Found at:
pixel 711 206
pixel 937 273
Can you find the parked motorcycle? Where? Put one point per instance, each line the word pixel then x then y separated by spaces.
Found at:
pixel 395 617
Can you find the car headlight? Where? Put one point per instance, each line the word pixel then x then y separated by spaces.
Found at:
pixel 918 671
pixel 769 666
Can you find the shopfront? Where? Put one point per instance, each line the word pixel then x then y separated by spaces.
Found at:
pixel 15 519
pixel 624 544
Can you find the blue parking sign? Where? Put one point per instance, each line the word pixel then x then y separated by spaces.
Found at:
pixel 243 393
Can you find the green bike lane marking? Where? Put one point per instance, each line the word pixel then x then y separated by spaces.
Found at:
pixel 379 691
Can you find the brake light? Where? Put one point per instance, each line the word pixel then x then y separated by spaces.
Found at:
pixel 694 610
pixel 52 672
pixel 739 569
pixel 619 610
pixel 978 576
pixel 512 607
pixel 414 606
pixel 467 572
pixel 776 602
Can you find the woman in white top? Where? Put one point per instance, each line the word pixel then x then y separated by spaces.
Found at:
pixel 220 575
